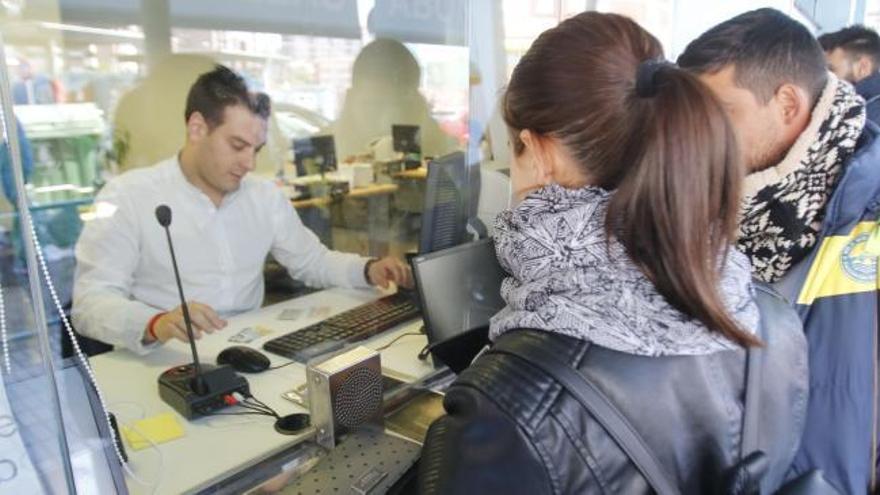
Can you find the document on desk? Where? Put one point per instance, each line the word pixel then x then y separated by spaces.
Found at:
pixel 318 312
pixel 249 334
pixel 291 314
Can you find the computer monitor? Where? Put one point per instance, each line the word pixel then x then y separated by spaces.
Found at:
pixel 314 155
pixel 406 138
pixel 459 288
pixel 451 195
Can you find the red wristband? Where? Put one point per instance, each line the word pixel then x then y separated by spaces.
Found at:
pixel 151 324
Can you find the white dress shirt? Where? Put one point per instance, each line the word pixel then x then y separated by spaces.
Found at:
pixel 124 274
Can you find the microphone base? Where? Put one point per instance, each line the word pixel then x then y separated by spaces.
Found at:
pixel 176 388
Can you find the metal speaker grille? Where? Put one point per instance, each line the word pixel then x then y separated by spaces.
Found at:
pixel 358 397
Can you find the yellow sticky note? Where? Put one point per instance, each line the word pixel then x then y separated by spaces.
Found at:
pixel 158 429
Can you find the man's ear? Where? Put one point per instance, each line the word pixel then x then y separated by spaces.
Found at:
pixel 196 127
pixel 862 67
pixel 542 158
pixel 794 104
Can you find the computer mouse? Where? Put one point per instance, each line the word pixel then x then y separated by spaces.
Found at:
pixel 243 359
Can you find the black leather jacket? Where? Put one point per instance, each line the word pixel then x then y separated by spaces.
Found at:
pixel 510 428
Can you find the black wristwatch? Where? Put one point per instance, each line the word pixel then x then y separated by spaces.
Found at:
pixel 367 269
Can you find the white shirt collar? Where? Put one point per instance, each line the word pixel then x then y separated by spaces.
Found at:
pixel 176 169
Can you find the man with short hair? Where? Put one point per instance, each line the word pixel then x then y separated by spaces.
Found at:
pixel 224 224
pixel 810 205
pixel 853 54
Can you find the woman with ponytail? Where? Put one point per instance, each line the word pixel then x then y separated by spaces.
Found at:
pixel 628 179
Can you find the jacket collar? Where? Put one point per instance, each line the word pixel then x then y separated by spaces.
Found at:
pixel 869 87
pixel 858 191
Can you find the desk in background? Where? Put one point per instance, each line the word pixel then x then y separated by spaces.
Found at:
pixel 359 221
pixel 217 448
pixel 359 192
pixel 420 173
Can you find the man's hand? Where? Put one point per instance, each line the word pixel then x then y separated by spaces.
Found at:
pixel 388 269
pixel 171 325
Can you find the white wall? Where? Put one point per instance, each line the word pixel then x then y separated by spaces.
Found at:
pixel 692 17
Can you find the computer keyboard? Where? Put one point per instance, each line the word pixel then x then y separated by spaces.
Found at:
pixel 355 324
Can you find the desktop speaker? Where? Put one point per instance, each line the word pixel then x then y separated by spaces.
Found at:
pixel 345 393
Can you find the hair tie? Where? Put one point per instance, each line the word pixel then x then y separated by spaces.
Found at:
pixel 646 76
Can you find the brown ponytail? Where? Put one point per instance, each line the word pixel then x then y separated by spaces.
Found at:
pixel 669 154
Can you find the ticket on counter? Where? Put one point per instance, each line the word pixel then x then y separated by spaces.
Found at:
pixel 320 312
pixel 291 314
pixel 244 336
pixel 262 331
pixel 249 334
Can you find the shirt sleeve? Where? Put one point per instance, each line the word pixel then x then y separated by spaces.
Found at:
pixel 107 255
pixel 306 258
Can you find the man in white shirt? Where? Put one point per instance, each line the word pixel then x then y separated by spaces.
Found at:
pixel 224 224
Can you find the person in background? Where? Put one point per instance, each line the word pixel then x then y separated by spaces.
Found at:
pixel 385 91
pixel 17 261
pixel 225 222
pixel 33 89
pixel 620 264
pixel 27 163
pixel 853 54
pixel 810 205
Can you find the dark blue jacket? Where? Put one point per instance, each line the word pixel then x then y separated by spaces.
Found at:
pixel 835 293
pixel 869 89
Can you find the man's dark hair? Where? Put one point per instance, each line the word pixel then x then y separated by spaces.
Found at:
pixel 220 88
pixel 766 48
pixel 854 40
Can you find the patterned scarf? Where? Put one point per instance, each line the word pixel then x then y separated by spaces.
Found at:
pixel 567 279
pixel 784 206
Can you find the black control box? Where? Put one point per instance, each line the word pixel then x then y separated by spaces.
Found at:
pixel 176 388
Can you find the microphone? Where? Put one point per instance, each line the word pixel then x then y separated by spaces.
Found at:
pixel 163 215
pixel 188 389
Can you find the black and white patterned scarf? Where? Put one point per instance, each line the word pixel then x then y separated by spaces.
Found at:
pixel 566 278
pixel 784 206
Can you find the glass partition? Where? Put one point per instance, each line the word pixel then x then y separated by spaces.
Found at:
pixel 366 94
pixel 99 88
pixel 52 439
